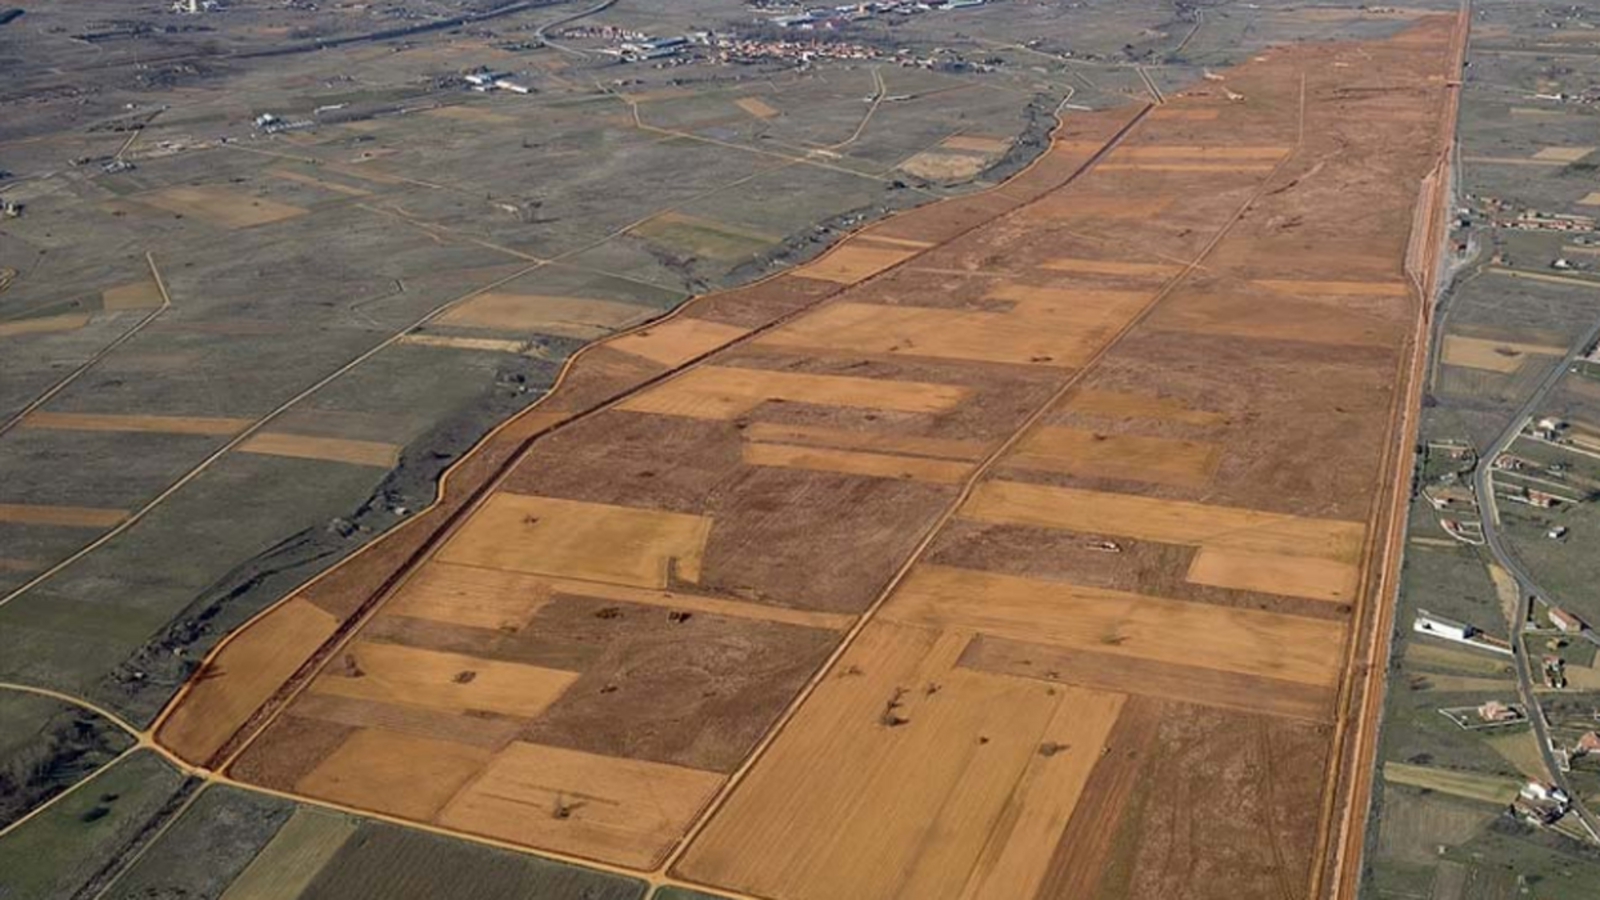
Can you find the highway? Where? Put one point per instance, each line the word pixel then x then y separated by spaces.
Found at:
pixel 1527 588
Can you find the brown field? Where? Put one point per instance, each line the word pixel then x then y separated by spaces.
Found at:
pixel 676 342
pixel 1169 521
pixel 852 263
pixel 138 295
pixel 726 393
pixel 575 317
pixel 548 536
pixel 44 324
pixel 652 594
pixel 1492 355
pixel 1590 199
pixel 1564 154
pixel 627 811
pixel 204 425
pixel 875 465
pixel 470 114
pixel 68 516
pixel 301 446
pixel 1119 404
pixel 259 659
pixel 450 342
pixel 757 107
pixel 314 181
pixel 1121 456
pixel 977 143
pixel 959 826
pixel 220 206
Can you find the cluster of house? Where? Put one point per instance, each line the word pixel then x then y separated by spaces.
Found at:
pixel 1541 804
pixel 834 16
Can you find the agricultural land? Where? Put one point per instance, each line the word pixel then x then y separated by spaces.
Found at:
pixel 739 450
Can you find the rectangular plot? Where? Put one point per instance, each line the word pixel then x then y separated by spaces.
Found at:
pixel 851 462
pixel 1337 288
pixel 390 673
pixel 622 811
pixel 242 675
pixel 288 864
pixel 716 392
pixel 1168 521
pixel 675 342
pixel 1268 573
pixel 1089 668
pixel 220 206
pixel 381 454
pixel 575 317
pixel 463 595
pixel 756 107
pixel 1195 152
pixel 1246 641
pixel 839 438
pixel 976 143
pixel 399 774
pixel 206 425
pixel 1112 267
pixel 484 345
pixel 852 263
pixel 1469 785
pixel 1564 154
pixel 1242 168
pixel 44 324
pixel 66 516
pixel 845 805
pixel 1129 457
pixel 592 541
pixel 1492 355
pixel 138 295
pixel 1122 404
pixel 476 729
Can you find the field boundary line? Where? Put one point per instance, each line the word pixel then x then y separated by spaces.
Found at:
pixel 97 357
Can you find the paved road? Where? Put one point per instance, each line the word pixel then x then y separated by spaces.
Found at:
pixel 1527 588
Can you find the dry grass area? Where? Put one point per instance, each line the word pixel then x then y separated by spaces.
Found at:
pixel 138 295
pixel 220 206
pixel 576 317
pixel 675 342
pixel 65 516
pixel 715 392
pixel 455 682
pixel 875 465
pixel 1502 356
pixel 1126 457
pixel 851 263
pixel 201 425
pixel 381 454
pixel 549 536
pixel 627 811
pixel 956 785
pixel 757 107
pixel 43 324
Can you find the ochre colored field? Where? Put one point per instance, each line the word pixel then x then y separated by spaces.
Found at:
pixel 627 811
pixel 757 107
pixel 906 776
pixel 206 425
pixel 302 446
pixel 1141 676
pixel 390 772
pixel 715 392
pixel 677 341
pixel 220 206
pixel 1564 154
pixel 576 317
pixel 138 295
pixel 465 113
pixel 937 165
pixel 1295 576
pixel 855 462
pixel 1492 355
pixel 1337 288
pixel 1044 327
pixel 1126 457
pixel 287 865
pixel 44 324
pixel 452 342
pixel 1245 641
pixel 977 143
pixel 1168 521
pixel 314 181
pixel 258 660
pixel 852 263
pixel 453 682
pixel 548 536
pixel 1196 153
pixel 67 516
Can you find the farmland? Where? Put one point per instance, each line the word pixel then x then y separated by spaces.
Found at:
pixel 513 451
pixel 614 620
